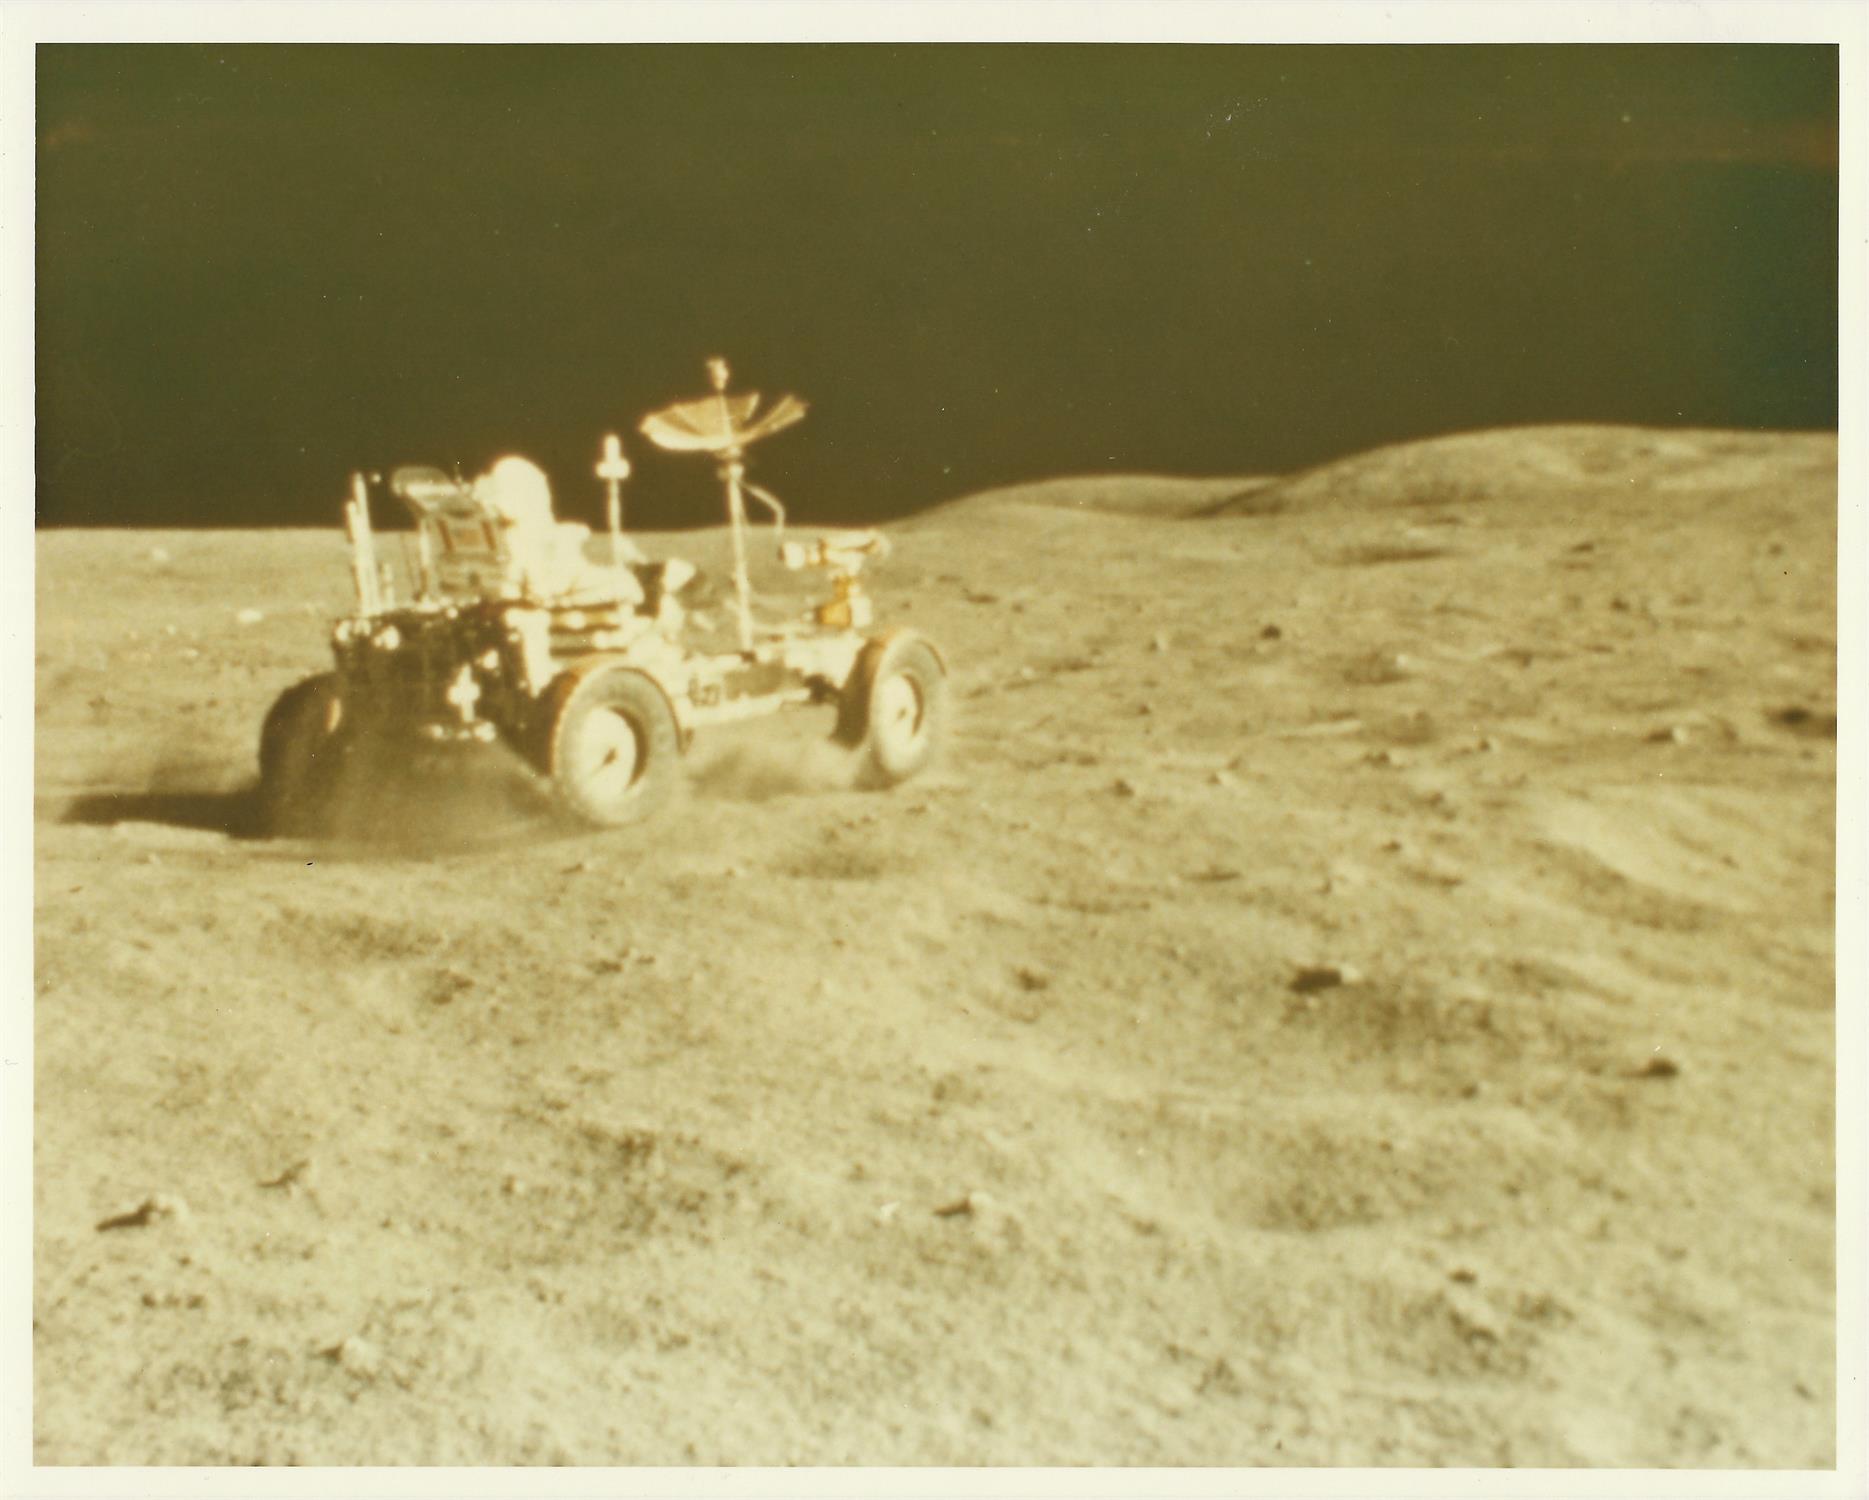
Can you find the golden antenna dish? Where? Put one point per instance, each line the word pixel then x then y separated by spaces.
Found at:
pixel 719 423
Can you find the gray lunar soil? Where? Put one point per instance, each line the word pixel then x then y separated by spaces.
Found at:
pixel 1357 989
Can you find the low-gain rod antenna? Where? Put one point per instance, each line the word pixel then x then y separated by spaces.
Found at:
pixel 613 469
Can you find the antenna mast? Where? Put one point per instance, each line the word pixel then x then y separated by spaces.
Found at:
pixel 613 470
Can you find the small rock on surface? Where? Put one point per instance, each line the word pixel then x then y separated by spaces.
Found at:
pixel 984 1210
pixel 1124 787
pixel 1313 977
pixel 153 1209
pixel 1271 633
pixel 1672 734
pixel 249 617
pixel 358 1355
pixel 299 1175
pixel 1657 1067
pixel 1801 720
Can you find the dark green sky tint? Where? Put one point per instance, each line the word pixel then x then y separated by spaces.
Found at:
pixel 261 267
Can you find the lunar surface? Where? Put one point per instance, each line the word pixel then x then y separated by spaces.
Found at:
pixel 1357 989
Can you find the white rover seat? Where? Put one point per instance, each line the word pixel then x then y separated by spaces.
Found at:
pixel 496 538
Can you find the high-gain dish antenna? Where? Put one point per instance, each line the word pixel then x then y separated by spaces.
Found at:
pixel 725 426
pixel 720 423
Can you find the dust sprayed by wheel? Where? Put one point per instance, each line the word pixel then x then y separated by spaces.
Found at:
pixel 611 746
pixel 302 746
pixel 895 709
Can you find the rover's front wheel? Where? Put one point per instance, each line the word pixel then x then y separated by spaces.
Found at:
pixel 301 748
pixel 611 745
pixel 895 708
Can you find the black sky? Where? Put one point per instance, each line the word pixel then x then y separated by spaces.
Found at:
pixel 261 267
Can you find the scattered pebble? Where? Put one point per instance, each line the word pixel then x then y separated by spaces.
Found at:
pixel 1271 633
pixel 887 1212
pixel 1657 1067
pixel 1673 734
pixel 1465 1275
pixel 1032 980
pixel 1160 643
pixel 1801 720
pixel 298 1175
pixel 1313 977
pixel 151 1210
pixel 1124 787
pixel 1224 778
pixel 514 1186
pixel 1390 758
pixel 449 985
pixel 1487 745
pixel 358 1355
pixel 249 617
pixel 158 554
pixel 191 1301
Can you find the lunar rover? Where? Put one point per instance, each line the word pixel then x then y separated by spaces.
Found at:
pixel 523 629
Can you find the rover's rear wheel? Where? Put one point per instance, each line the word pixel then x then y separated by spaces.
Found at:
pixel 301 748
pixel 611 745
pixel 895 708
